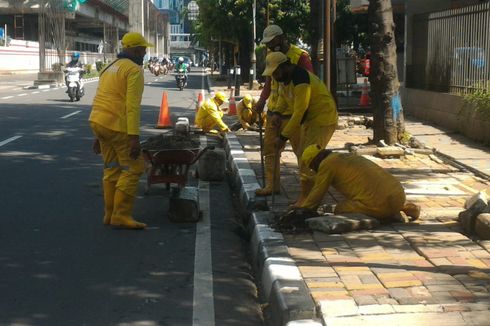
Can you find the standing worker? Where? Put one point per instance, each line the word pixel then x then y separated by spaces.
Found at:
pixel 314 112
pixel 210 115
pixel 277 115
pixel 247 114
pixel 367 188
pixel 115 122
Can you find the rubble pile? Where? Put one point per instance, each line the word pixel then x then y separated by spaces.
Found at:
pixel 162 141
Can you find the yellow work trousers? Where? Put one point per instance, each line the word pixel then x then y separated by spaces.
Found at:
pixel 272 132
pixel 119 168
pixel 311 136
pixel 385 209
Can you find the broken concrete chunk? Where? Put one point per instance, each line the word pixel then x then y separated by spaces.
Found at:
pixel 364 150
pixel 184 205
pixel 482 226
pixel 467 218
pixel 342 223
pixel 390 151
pixel 477 202
pixel 211 165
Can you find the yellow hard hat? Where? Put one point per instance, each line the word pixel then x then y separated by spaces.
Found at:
pixel 272 61
pixel 309 154
pixel 247 101
pixel 133 40
pixel 270 32
pixel 221 96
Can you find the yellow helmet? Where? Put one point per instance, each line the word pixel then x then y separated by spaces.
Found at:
pixel 220 96
pixel 247 101
pixel 309 154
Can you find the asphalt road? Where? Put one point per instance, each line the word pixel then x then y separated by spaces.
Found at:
pixel 59 265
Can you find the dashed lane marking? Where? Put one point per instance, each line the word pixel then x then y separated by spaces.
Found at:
pixel 11 139
pixel 23 94
pixel 71 114
pixel 6 97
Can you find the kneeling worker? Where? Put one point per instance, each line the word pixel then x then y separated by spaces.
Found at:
pixel 247 115
pixel 367 188
pixel 210 115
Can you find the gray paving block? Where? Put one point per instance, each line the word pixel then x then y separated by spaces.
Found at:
pixel 342 223
pixel 277 268
pixel 290 301
pixel 261 233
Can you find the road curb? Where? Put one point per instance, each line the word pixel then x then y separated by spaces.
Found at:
pixel 55 85
pixel 278 278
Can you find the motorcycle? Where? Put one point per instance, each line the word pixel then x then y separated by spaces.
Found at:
pixel 156 69
pixel 180 79
pixel 74 83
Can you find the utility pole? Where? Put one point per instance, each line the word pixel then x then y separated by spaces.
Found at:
pixel 254 58
pixel 326 44
pixel 42 37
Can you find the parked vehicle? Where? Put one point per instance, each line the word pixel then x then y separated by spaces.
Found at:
pixel 74 83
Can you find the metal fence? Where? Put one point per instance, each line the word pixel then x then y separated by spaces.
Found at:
pixel 451 51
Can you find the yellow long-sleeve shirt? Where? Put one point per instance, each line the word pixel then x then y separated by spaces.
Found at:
pixel 209 116
pixel 309 100
pixel 358 179
pixel 116 105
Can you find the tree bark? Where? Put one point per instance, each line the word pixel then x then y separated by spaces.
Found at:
pixel 315 28
pixel 385 97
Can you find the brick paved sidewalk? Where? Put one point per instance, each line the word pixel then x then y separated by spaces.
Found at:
pixel 408 274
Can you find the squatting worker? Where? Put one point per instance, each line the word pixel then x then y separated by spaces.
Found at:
pixel 210 116
pixel 115 121
pixel 367 188
pixel 247 114
pixel 277 115
pixel 314 112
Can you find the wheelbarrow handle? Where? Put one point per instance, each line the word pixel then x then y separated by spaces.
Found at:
pixel 202 151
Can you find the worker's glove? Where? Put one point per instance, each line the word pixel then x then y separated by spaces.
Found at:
pixel 294 219
pixel 134 146
pixel 96 146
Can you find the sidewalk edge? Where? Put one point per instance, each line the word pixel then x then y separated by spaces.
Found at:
pixel 278 278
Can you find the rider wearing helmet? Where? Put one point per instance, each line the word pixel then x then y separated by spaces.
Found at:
pixel 181 66
pixel 75 61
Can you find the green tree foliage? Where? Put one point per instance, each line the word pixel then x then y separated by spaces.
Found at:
pixel 350 28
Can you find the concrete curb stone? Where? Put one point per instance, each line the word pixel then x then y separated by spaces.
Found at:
pixel 280 280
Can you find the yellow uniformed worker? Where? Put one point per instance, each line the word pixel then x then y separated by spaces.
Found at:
pixel 278 115
pixel 210 116
pixel 367 188
pixel 115 122
pixel 314 112
pixel 247 115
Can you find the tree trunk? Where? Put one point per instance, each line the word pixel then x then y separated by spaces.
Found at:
pixel 385 97
pixel 315 28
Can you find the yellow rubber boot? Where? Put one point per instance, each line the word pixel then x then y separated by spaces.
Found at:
pixel 269 178
pixel 121 216
pixel 109 191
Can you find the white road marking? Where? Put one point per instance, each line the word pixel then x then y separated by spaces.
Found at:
pixel 46 90
pixel 35 92
pixel 69 115
pixel 6 97
pixel 203 305
pixel 11 139
pixel 23 94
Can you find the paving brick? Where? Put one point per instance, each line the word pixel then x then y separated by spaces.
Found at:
pixel 414 308
pixel 363 300
pixel 445 288
pixel 401 284
pixel 397 293
pixel 324 284
pixel 376 309
pixel 339 308
pixel 369 279
pixel 373 292
pixel 329 295
pixel 317 271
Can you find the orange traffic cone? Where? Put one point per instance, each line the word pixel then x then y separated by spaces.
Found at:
pixel 232 105
pixel 164 116
pixel 365 100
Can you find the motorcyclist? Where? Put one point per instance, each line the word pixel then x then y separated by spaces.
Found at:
pixel 74 63
pixel 182 66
